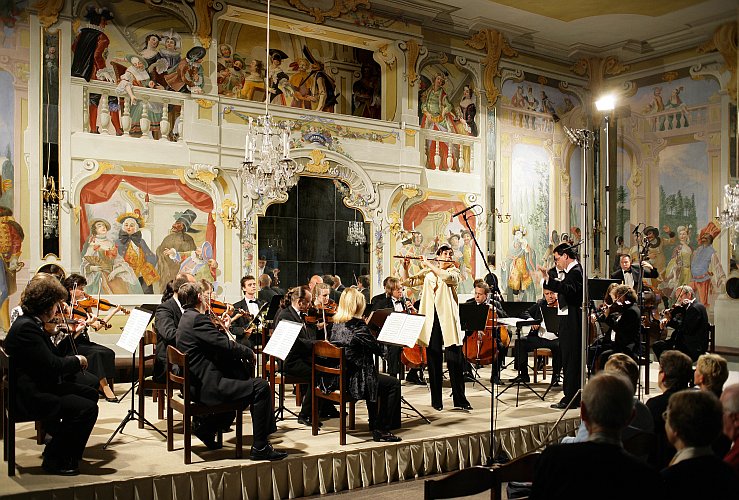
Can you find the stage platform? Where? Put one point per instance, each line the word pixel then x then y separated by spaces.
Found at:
pixel 137 465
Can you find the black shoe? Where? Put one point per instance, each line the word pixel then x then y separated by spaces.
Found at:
pixel 438 407
pixel 558 406
pixel 267 453
pixel 464 406
pixel 555 381
pixel 519 378
pixel 469 378
pixel 61 466
pixel 329 411
pixel 114 399
pixel 207 437
pixel 308 422
pixel 387 437
pixel 415 380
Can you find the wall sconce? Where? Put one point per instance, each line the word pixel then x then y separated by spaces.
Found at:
pixel 50 193
pixel 229 212
pixel 502 219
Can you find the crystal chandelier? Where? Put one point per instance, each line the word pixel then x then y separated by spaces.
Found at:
pixel 355 233
pixel 730 215
pixel 267 170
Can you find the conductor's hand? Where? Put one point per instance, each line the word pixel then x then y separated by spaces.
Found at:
pixel 83 361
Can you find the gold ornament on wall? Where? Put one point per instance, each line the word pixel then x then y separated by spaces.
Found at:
pixel 596 69
pixel 339 8
pixel 48 11
pixel 724 41
pixel 414 50
pixel 318 163
pixel 497 46
pixel 228 213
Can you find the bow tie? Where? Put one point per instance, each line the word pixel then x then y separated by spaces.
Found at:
pixel 628 271
pixel 253 302
pixel 134 238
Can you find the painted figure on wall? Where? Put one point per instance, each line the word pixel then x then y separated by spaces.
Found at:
pixel 278 80
pixel 301 82
pixel 705 267
pixel 468 110
pixel 11 241
pixel 201 263
pixel 170 49
pixel 136 75
pixel 102 266
pixel 88 62
pixel 175 247
pixel 254 80
pixel 520 265
pixel 136 252
pixel 467 268
pixel 437 114
pixel 366 100
pixel 677 271
pixel 188 75
pixel 323 89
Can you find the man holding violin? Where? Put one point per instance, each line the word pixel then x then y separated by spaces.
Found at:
pixel 219 374
pixel 689 319
pixel 538 338
pixel 439 303
pixel 624 318
pixel 251 305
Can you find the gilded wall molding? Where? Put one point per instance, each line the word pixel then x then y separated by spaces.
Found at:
pixel 497 46
pixel 48 11
pixel 338 9
pixel 414 52
pixel 596 69
pixel 724 41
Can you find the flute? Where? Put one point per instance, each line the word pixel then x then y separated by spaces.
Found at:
pixel 421 258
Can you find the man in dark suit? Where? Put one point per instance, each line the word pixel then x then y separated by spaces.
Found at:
pixel 329 280
pixel 633 274
pixel 689 320
pixel 251 304
pixel 693 422
pixel 363 285
pixel 266 290
pixel 624 319
pixel 166 319
pixel 539 337
pixel 68 410
pixel 482 299
pixel 566 279
pixel 600 464
pixel 219 374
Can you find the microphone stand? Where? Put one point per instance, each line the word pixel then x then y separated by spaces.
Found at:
pixel 643 334
pixel 491 458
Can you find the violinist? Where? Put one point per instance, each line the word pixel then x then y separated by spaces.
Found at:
pixel 393 299
pixel 380 391
pixel 689 319
pixel 323 310
pixel 67 410
pixel 538 338
pixel 299 363
pixel 101 359
pixel 440 305
pixel 50 269
pixel 166 319
pixel 482 299
pixel 218 376
pixel 250 304
pixel 632 274
pixel 624 318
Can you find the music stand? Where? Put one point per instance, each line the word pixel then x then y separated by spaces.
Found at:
pixel 473 318
pixel 150 308
pixel 519 323
pixel 516 310
pixel 597 288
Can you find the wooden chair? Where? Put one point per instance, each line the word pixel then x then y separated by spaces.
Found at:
pixel 328 361
pixel 520 469
pixel 546 354
pixel 178 379
pixel 462 483
pixel 148 384
pixel 9 415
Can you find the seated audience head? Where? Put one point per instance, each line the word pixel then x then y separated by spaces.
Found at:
pixel 351 305
pixel 337 281
pixel 54 270
pixel 711 373
pixel 42 295
pixel 265 281
pixel 623 364
pixel 393 288
pixel 730 402
pixel 190 295
pixel 607 403
pixel 675 371
pixel 693 419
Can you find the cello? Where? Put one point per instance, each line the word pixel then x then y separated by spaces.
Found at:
pixel 414 358
pixel 480 348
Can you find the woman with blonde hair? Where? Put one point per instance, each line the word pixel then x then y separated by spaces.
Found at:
pixel 380 391
pixel 711 373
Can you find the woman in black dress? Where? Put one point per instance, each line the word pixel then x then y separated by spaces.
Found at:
pixel 365 382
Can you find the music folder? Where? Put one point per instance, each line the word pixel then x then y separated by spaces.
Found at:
pixel 472 317
pixel 282 339
pixel 134 330
pixel 402 329
pixel 274 306
pixel 377 319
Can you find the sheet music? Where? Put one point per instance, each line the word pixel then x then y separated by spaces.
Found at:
pixel 134 330
pixel 512 322
pixel 402 329
pixel 282 339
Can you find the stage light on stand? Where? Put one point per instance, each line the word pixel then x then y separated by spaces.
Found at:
pixel 606 103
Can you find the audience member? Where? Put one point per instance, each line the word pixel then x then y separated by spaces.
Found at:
pixel 730 401
pixel 711 373
pixel 675 371
pixel 692 423
pixel 599 467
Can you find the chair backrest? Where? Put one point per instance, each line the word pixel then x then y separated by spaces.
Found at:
pixel 462 483
pixel 641 444
pixel 149 338
pixel 328 360
pixel 520 470
pixel 178 375
pixel 5 379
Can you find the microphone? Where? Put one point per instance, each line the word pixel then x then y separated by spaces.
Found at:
pixel 465 210
pixel 636 229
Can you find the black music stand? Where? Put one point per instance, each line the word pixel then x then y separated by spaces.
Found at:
pixel 473 318
pixel 520 323
pixel 597 288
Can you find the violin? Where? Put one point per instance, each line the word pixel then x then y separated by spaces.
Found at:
pixel 321 313
pixel 101 304
pixel 219 307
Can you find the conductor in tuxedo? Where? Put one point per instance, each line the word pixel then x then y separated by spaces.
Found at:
pixel 166 319
pixel 299 361
pixel 219 374
pixel 251 304
pixel 68 410
pixel 566 279
pixel 632 274
pixel 600 464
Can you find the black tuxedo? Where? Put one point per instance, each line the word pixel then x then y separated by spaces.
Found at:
pixel 533 341
pixel 238 326
pixel 299 362
pixel 625 330
pixel 691 331
pixel 166 319
pixel 218 374
pixel 582 470
pixel 266 294
pixel 383 301
pixel 68 410
pixel 635 270
pixel 569 293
